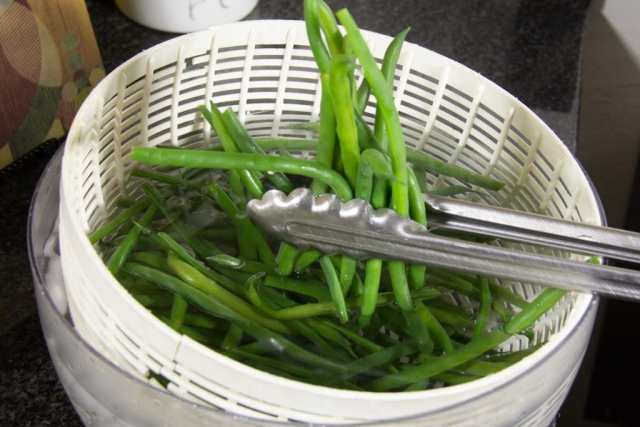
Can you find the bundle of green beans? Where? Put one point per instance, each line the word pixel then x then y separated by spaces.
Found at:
pixel 187 251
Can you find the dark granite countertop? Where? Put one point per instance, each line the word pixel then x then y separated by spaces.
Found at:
pixel 532 48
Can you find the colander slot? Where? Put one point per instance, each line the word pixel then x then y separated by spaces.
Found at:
pixel 160 101
pixel 422 76
pixel 522 136
pixel 455 121
pixel 228 81
pixel 194 88
pixel 426 90
pixel 477 128
pixel 230 59
pixel 229 70
pixel 458 109
pixel 107 108
pixel 273 46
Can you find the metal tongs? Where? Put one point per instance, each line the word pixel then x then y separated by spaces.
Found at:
pixel 355 229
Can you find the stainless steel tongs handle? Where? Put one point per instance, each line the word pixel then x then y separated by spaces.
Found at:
pixel 522 227
pixel 355 229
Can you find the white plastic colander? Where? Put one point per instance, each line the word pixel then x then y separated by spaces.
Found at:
pixel 265 71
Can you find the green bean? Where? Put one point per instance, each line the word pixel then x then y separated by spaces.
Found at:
pixel 185 256
pixel 513 356
pixel 418 214
pixel 310 288
pixel 341 67
pixel 120 219
pixel 362 97
pixel 286 259
pixel 305 126
pixel 249 178
pixel 232 339
pixel 388 70
pixel 288 367
pixel 254 329
pixel 151 259
pixel 305 259
pixel 245 144
pixel 140 286
pixel 334 288
pixel 459 284
pixel 363 342
pixel 292 144
pixel 215 160
pixel 357 287
pixel 503 294
pixel 440 364
pixel 544 302
pixel 372 162
pixel 387 108
pixel 243 223
pixel 237 190
pixel 366 138
pixel 418 386
pixel 373 267
pixel 178 310
pixel 379 358
pixel 452 319
pixel 373 271
pixel 436 331
pixel 125 247
pixel 251 267
pixel 528 316
pixel 403 297
pixel 287 144
pixel 193 174
pixel 312 335
pixel 202 248
pixel 270 307
pixel 447 279
pixel 485 307
pixel 453 190
pixel 330 28
pixel 257 348
pixel 347 272
pixel 436 166
pixel 227 261
pixel 320 309
pixel 151 301
pixel 327 135
pixel 199 281
pixel 481 367
pixel 327 130
pixel 421 178
pixel 397 151
pixel 318 48
pixel 329 333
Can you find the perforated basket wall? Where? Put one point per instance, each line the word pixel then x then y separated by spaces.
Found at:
pixel 265 71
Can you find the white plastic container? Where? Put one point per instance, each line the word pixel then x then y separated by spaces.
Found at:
pixel 185 16
pixel 265 71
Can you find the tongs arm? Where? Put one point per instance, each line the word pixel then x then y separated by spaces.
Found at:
pixel 355 229
pixel 533 229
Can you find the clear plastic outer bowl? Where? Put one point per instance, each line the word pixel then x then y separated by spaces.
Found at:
pixel 104 394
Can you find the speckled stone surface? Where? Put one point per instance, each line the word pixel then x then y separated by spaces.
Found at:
pixel 532 48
